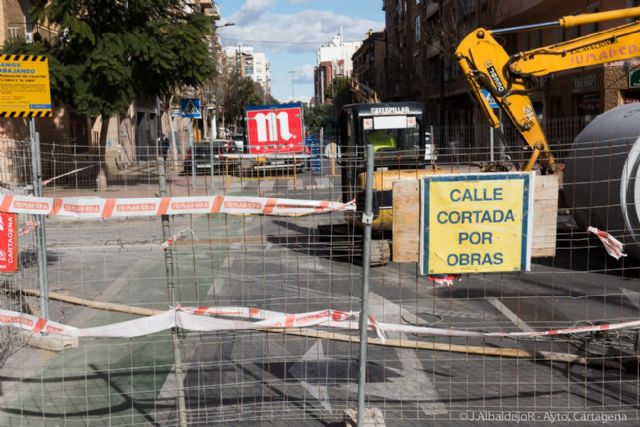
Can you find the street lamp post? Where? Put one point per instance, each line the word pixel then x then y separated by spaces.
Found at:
pixel 217 45
pixel 292 72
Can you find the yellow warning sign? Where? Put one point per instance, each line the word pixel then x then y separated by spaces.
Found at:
pixel 24 86
pixel 476 223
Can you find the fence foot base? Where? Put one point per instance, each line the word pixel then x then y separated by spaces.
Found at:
pixel 372 418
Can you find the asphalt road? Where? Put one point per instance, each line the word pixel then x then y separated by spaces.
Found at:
pixel 254 378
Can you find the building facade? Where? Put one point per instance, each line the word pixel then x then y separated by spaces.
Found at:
pixel 370 63
pixel 333 60
pixel 131 136
pixel 249 63
pixel 422 36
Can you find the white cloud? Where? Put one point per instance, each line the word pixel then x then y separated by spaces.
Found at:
pixel 250 11
pixel 305 74
pixel 296 32
pixel 302 98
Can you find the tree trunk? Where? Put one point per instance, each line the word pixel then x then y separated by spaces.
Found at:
pixel 103 172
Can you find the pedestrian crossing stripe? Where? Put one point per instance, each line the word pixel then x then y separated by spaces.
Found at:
pixel 34 58
pixel 26 114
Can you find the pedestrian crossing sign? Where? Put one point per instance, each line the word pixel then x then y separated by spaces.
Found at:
pixel 190 107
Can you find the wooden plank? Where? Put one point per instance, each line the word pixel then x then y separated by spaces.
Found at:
pixel 406 221
pixel 545 216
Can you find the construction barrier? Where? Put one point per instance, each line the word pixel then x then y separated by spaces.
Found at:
pixel 95 207
pixel 207 319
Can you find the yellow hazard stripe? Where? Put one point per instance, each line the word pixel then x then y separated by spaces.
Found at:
pixel 28 114
pixel 31 58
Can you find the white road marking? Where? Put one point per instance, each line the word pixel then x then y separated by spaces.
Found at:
pixel 509 314
pixel 412 383
pixel 315 354
pixel 266 186
pixel 633 296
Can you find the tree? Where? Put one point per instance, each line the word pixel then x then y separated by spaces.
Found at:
pixel 239 92
pixel 110 52
pixel 340 93
pixel 319 116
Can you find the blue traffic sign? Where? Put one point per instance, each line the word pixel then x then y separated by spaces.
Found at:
pixel 190 107
pixel 316 155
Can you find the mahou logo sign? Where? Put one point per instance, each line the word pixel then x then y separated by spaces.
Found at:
pixel 275 129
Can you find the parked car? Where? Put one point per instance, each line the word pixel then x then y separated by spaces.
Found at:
pixel 239 140
pixel 209 156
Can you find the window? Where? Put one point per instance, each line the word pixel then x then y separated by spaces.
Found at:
pixel 418 28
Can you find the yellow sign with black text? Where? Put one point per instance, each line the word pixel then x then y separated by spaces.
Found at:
pixel 476 223
pixel 24 86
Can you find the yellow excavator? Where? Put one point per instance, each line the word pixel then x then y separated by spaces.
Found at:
pixel 602 169
pixel 510 78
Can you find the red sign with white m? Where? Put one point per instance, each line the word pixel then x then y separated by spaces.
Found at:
pixel 275 129
pixel 8 242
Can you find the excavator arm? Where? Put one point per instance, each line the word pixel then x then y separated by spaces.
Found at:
pixel 510 78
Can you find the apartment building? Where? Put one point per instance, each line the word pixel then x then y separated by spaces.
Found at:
pixel 250 64
pixel 333 60
pixel 370 63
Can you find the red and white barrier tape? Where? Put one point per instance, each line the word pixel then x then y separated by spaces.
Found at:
pixel 173 239
pixel 28 228
pixel 446 280
pixel 189 319
pixel 47 181
pixel 244 318
pixel 613 246
pixel 93 207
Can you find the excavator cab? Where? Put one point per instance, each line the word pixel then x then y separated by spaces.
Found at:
pixel 396 131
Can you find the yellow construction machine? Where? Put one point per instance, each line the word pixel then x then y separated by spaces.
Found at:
pixel 399 134
pixel 602 174
pixel 510 78
pixel 403 151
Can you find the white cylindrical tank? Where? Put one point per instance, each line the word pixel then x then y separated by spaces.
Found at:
pixel 602 175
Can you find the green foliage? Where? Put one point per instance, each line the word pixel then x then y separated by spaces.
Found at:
pixel 340 92
pixel 318 116
pixel 110 52
pixel 241 92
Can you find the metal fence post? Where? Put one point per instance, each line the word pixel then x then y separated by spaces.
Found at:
pixel 193 154
pixel 41 235
pixel 364 309
pixel 169 262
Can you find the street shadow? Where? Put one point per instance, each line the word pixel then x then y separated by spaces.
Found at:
pixel 29 257
pixel 320 242
pixel 127 402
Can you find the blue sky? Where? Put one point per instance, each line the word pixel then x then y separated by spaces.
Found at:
pixel 289 32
